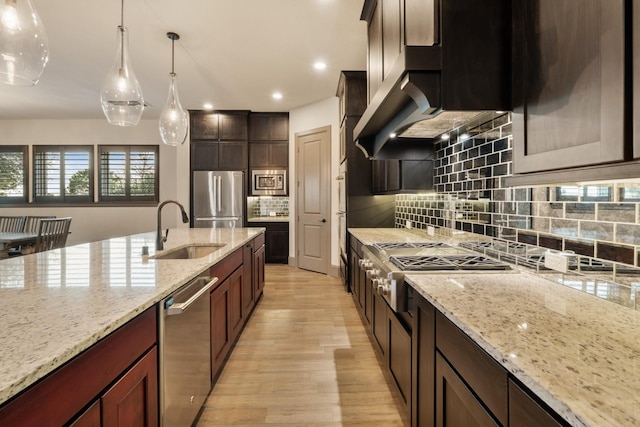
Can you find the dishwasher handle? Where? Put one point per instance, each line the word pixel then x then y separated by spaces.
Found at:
pixel 181 307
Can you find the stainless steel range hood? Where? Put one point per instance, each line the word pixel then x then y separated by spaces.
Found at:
pixel 433 89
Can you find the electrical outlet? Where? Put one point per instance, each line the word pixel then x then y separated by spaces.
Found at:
pixel 408 224
pixel 431 231
pixel 557 261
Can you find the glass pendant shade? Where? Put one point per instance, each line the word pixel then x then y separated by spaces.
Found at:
pixel 24 48
pixel 174 121
pixel 121 95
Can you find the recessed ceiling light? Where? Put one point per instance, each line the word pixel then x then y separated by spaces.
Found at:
pixel 320 65
pixel 207 106
pixel 276 95
pixel 444 136
pixel 392 135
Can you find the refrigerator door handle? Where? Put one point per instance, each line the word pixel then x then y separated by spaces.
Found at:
pixel 219 190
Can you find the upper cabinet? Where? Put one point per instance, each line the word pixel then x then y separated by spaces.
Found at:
pixel 568 84
pixel 219 126
pixel 268 127
pixel 219 140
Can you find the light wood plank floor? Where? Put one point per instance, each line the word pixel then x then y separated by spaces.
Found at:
pixel 304 359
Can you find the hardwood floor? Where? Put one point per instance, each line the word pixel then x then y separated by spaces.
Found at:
pixel 304 359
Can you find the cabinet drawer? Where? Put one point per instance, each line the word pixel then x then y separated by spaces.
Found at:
pixel 223 269
pixel 483 374
pixel 258 241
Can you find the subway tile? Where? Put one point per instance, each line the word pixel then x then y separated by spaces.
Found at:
pixel 596 230
pixel 550 242
pixel 618 253
pixel 563 227
pixel 585 248
pixel 628 233
pixel 617 212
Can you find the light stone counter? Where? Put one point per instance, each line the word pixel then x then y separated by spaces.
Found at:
pixel 580 354
pixel 58 303
pixel 269 219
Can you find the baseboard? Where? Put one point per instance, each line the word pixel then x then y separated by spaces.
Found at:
pixel 293 262
pixel 334 271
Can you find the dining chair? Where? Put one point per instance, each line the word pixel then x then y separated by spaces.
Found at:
pixel 32 223
pixel 52 234
pixel 11 224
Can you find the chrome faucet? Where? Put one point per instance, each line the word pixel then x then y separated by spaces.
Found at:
pixel 159 238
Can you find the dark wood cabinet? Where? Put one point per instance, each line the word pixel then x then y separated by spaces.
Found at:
pixel 481 372
pixel 399 356
pixel 354 274
pixel 89 418
pixel 236 312
pixel 133 400
pixel 569 88
pixel 379 323
pixel 219 125
pixel 392 176
pixel 219 140
pixel 524 411
pixel 423 363
pixel 269 155
pixel 248 294
pixel 213 155
pixel 456 405
pixel 375 70
pixel 220 337
pixel 276 242
pixel 258 267
pixel 268 127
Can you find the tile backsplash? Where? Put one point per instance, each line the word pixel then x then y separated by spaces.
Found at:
pixel 265 206
pixel 601 221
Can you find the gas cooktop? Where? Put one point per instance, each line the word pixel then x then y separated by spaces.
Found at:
pixel 447 262
pixel 407 245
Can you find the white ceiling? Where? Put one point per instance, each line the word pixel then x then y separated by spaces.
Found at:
pixel 232 53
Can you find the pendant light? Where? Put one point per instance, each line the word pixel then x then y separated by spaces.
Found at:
pixel 121 95
pixel 174 122
pixel 24 48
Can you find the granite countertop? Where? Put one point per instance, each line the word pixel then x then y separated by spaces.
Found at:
pixel 58 303
pixel 577 352
pixel 268 219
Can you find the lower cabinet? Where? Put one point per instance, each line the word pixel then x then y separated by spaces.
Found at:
pixel 524 411
pixel 248 294
pixel 276 241
pixel 456 383
pixel 132 401
pixel 116 379
pixel 379 323
pixel 258 270
pixel 456 405
pixel 399 356
pixel 423 352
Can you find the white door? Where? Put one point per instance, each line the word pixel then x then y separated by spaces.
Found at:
pixel 314 201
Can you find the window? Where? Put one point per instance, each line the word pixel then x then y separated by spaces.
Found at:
pixel 128 173
pixel 13 176
pixel 63 173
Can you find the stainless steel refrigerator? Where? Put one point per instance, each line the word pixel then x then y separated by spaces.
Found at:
pixel 218 199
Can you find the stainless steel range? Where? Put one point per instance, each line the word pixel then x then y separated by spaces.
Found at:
pixel 387 263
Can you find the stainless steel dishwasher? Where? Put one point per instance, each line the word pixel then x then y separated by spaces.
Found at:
pixel 185 352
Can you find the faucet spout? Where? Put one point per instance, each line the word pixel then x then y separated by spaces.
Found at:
pixel 160 239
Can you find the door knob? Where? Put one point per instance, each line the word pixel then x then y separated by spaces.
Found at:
pixel 323 220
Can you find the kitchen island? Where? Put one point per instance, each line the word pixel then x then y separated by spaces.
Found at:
pixel 571 352
pixel 59 303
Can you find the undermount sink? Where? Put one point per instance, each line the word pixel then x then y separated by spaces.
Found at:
pixel 190 251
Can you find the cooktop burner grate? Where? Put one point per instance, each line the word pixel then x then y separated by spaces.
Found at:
pixel 446 262
pixel 407 245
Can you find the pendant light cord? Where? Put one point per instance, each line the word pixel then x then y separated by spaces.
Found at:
pixel 173 43
pixel 122 13
pixel 121 34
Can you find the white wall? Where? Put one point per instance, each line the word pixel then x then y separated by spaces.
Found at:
pixel 100 222
pixel 319 114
